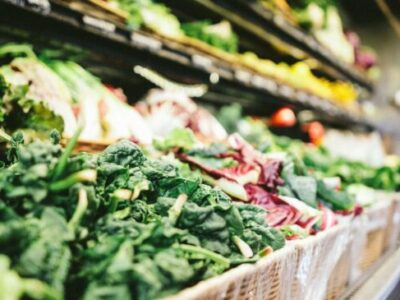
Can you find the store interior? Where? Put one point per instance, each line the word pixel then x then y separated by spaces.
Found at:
pixel 199 149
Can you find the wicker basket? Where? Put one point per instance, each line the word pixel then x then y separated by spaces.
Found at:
pixel 269 279
pixel 88 146
pixel 347 268
pixel 377 221
pixel 91 147
pixel 339 277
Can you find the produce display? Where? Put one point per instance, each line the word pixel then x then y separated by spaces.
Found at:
pixel 117 224
pixel 316 160
pixel 218 35
pixel 322 19
pixel 170 197
pixel 131 223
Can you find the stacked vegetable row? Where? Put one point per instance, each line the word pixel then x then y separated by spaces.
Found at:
pixel 220 41
pixel 323 21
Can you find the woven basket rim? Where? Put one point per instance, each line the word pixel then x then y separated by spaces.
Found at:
pixel 232 274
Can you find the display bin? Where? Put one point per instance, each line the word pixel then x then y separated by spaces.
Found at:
pixel 376 231
pixel 270 278
pixel 393 227
pixel 347 268
pixel 339 278
pixel 317 258
pixel 88 146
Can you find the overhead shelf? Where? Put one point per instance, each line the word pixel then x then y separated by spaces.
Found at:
pixel 272 28
pixel 122 49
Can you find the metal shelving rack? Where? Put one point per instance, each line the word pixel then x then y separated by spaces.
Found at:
pixel 122 48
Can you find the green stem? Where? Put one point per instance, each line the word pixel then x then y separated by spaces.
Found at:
pixel 207 253
pixel 79 211
pixel 175 211
pixel 5 136
pixel 118 195
pixel 62 162
pixel 81 176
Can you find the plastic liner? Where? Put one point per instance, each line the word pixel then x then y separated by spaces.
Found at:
pixel 347 266
pixel 339 278
pixel 375 226
pixel 318 256
pixel 358 242
pixel 393 226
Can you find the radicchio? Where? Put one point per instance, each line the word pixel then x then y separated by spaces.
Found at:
pixel 270 174
pixel 260 177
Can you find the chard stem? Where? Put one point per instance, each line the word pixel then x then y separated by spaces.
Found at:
pixel 175 211
pixel 118 195
pixel 244 248
pixel 79 211
pixel 81 176
pixel 207 253
pixel 62 162
pixel 5 136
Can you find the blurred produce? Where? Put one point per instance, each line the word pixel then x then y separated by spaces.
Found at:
pixel 45 94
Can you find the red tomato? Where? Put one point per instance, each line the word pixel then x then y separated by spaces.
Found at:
pixel 283 117
pixel 315 131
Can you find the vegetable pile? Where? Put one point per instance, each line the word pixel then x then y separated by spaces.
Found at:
pixel 41 94
pixel 218 35
pixel 298 203
pixel 314 162
pixel 115 225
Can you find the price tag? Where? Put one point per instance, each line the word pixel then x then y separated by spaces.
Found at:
pixel 16 2
pixel 326 105
pixel 145 41
pixel 258 81
pixel 287 91
pixel 99 24
pixel 42 6
pixel 270 85
pixel 279 20
pixel 202 61
pixel 301 96
pixel 315 101
pixel 243 76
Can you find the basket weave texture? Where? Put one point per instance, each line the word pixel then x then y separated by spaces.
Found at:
pixel 301 270
pixel 267 279
pixel 317 259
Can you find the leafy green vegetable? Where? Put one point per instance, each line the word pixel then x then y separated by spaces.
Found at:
pixel 229 115
pixel 116 225
pixel 19 111
pixel 13 287
pixel 177 138
pixel 218 35
pixel 336 199
pixel 154 16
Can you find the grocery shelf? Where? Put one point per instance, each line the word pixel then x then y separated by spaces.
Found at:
pixel 272 28
pixel 121 49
